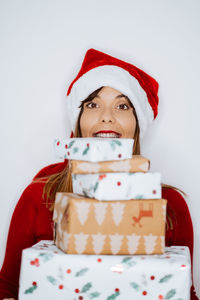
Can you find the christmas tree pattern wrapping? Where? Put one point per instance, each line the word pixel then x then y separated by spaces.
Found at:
pixel 48 273
pixel 89 226
pixel 137 163
pixel 94 149
pixel 118 186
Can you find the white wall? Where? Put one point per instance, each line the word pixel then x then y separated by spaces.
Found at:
pixel 42 44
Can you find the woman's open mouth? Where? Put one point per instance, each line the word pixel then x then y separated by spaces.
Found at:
pixel 107 134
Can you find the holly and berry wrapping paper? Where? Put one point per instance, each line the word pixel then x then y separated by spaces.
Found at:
pixel 137 163
pixel 89 226
pixel 94 149
pixel 118 186
pixel 48 273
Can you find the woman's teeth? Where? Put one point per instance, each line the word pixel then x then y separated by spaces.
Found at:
pixel 107 135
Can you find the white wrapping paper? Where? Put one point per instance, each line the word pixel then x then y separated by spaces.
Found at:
pixel 94 149
pixel 118 186
pixel 48 273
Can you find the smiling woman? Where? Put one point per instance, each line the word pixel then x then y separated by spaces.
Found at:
pixel 108 98
pixel 110 114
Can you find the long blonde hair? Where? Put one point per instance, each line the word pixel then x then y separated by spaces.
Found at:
pixel 62 181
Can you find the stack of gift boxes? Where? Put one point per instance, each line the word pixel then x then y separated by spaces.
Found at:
pixel 114 212
pixel 104 220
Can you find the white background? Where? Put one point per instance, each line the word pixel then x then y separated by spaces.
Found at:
pixel 42 44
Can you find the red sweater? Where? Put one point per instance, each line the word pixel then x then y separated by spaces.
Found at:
pixel 32 222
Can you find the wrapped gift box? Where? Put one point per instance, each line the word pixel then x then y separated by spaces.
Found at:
pixel 118 186
pixel 94 149
pixel 89 226
pixel 137 163
pixel 48 273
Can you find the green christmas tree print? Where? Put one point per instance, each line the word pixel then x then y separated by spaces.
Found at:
pixel 75 149
pixel 85 151
pixel 165 278
pixel 31 289
pixel 128 261
pixel 96 186
pixel 115 143
pixel 71 144
pixel 81 272
pixel 135 286
pixel 52 280
pixel 170 294
pixel 86 287
pixel 113 296
pixel 45 256
pixel 94 295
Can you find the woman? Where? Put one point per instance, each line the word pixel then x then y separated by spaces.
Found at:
pixel 122 103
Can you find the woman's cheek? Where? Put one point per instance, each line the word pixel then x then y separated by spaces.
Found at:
pixel 91 116
pixel 128 124
pixel 88 119
pixel 125 119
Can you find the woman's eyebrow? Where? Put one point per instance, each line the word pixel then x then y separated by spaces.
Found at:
pixel 118 96
pixel 121 96
pixel 85 101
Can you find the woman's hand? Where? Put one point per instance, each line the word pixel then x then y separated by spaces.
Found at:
pixel 8 299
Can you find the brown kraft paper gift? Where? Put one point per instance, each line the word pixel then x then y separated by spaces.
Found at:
pixel 89 226
pixel 137 163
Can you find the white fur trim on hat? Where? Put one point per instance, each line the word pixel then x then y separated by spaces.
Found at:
pixel 114 77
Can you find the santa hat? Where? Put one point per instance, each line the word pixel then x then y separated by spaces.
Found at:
pixel 100 69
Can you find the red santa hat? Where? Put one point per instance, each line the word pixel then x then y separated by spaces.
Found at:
pixel 100 69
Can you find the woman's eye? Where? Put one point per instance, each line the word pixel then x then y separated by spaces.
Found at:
pixel 123 106
pixel 91 105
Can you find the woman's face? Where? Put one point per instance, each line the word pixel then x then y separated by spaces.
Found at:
pixel 109 114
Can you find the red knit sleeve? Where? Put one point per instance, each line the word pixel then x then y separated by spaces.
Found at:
pixel 180 228
pixel 31 222
pixel 21 235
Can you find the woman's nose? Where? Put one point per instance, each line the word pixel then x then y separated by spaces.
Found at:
pixel 109 121
pixel 107 116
